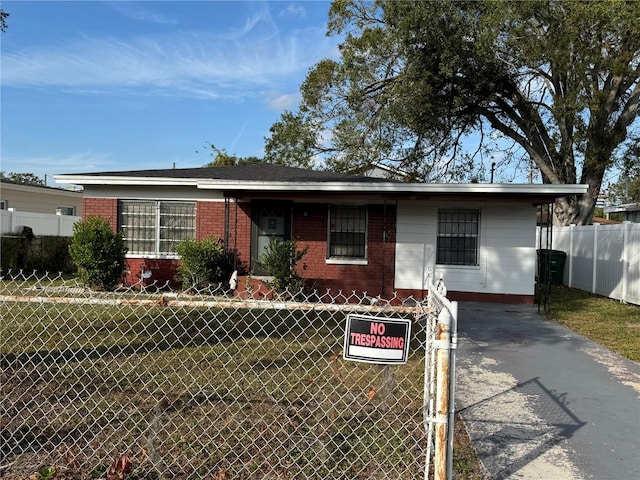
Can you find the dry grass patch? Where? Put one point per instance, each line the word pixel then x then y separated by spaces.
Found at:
pixel 610 323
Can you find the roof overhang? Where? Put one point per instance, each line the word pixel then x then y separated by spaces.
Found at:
pixel 419 191
pixel 122 180
pixel 628 207
pixel 383 188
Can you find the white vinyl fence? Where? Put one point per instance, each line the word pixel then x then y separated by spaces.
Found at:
pixel 602 259
pixel 40 223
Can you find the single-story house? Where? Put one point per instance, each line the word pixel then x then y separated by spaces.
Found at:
pixel 364 234
pixel 39 199
pixel 630 211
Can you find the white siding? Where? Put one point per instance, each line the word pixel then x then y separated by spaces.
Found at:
pixel 153 192
pixel 507 252
pixel 29 198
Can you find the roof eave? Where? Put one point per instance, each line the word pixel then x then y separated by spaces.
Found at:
pixel 117 180
pixel 332 186
pixel 394 187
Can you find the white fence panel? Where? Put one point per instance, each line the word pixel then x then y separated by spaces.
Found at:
pixel 5 222
pixel 609 268
pixel 632 260
pixel 40 223
pixel 581 256
pixel 602 259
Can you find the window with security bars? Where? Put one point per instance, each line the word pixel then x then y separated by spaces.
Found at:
pixel 154 227
pixel 458 233
pixel 347 232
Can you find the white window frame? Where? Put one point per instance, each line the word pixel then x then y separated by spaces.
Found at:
pixel 463 225
pixel 158 225
pixel 63 208
pixel 360 227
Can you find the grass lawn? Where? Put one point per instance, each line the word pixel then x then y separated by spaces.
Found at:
pixel 608 322
pixel 188 392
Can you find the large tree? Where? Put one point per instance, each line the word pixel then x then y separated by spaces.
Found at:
pixel 627 188
pixel 437 88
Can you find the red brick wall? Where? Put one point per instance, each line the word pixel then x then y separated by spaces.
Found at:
pixel 104 207
pixel 210 219
pixel 240 232
pixel 163 272
pixel 309 228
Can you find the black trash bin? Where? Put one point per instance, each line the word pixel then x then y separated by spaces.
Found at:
pixel 551 266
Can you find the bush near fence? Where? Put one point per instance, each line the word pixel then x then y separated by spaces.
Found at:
pixel 41 254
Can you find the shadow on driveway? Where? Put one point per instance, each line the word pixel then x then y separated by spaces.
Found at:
pixel 537 402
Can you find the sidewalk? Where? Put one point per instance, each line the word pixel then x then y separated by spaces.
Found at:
pixel 541 402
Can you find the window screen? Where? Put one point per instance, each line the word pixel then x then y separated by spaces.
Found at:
pixel 155 227
pixel 347 232
pixel 457 242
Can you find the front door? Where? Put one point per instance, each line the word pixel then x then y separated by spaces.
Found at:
pixel 271 221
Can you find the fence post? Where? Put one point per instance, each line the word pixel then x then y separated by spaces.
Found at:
pixel 572 229
pixel 626 247
pixel 12 216
pixel 452 386
pixel 595 258
pixel 442 395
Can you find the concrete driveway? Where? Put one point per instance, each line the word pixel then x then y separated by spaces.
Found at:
pixel 541 402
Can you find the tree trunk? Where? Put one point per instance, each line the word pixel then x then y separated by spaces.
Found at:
pixel 574 209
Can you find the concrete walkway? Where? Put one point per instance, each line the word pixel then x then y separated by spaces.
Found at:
pixel 541 402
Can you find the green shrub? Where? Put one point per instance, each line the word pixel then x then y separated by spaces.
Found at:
pixel 280 260
pixel 10 247
pixel 41 253
pixel 204 263
pixel 50 254
pixel 98 252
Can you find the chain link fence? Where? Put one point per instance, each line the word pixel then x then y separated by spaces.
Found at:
pixel 147 384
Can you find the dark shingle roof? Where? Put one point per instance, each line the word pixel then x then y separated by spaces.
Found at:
pixel 253 172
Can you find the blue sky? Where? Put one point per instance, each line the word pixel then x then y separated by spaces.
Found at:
pixel 92 86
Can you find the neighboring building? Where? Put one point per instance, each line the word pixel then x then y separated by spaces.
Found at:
pixel 364 234
pixel 39 199
pixel 630 211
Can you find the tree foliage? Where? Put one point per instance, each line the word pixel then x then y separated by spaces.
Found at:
pixel 23 178
pixel 548 83
pixel 627 188
pixel 3 20
pixel 223 159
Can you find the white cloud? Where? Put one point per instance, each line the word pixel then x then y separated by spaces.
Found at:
pixel 137 12
pixel 293 11
pixel 197 64
pixel 48 166
pixel 284 101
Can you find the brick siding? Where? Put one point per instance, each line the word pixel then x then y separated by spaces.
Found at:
pixel 309 228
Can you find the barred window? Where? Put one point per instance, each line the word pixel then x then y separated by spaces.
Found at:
pixel 457 242
pixel 347 232
pixel 155 227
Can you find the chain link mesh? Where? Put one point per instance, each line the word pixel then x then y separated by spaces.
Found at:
pixel 140 383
